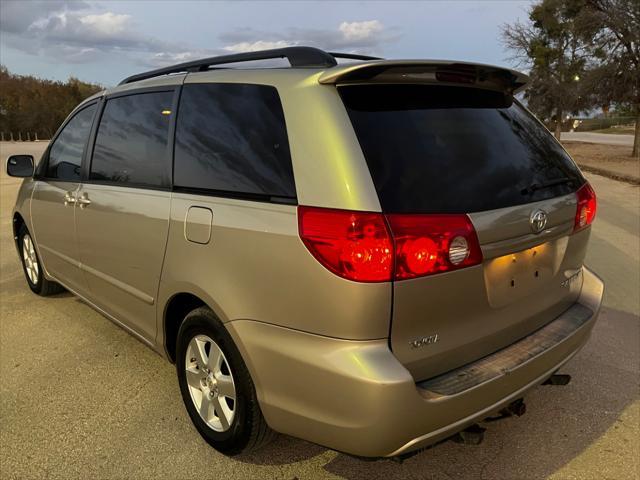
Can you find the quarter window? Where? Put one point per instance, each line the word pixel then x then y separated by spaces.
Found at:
pixel 232 138
pixel 132 140
pixel 65 155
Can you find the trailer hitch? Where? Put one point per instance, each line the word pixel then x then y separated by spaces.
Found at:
pixel 473 435
pixel 557 379
pixel 517 408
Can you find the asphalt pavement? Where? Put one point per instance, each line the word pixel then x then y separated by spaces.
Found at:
pixel 80 398
pixel 603 138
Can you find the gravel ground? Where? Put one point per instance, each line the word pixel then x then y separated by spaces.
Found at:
pixel 610 160
pixel 80 398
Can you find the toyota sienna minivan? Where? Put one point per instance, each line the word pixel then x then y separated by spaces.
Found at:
pixel 370 255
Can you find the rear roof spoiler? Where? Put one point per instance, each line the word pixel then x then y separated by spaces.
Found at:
pixel 427 71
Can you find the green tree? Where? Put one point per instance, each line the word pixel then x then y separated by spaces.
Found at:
pixel 615 77
pixel 554 46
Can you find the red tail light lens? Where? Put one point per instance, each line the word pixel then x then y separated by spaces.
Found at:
pixel 359 245
pixel 587 205
pixel 353 245
pixel 428 244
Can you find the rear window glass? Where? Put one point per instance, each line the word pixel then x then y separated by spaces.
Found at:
pixel 438 149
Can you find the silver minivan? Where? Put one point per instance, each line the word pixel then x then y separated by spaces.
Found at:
pixel 373 255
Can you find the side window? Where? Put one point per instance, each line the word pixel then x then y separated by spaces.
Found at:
pixel 131 143
pixel 65 155
pixel 232 138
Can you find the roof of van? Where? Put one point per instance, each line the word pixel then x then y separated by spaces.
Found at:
pixel 308 61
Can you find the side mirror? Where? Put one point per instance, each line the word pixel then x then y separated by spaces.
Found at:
pixel 20 166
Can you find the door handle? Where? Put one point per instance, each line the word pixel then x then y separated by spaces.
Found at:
pixel 83 201
pixel 69 198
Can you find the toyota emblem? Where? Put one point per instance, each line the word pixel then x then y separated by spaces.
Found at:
pixel 538 221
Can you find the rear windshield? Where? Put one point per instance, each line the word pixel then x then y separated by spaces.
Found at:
pixel 439 149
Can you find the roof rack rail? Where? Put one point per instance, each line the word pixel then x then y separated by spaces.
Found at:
pixel 353 56
pixel 297 56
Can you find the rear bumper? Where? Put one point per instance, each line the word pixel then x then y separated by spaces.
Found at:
pixel 355 397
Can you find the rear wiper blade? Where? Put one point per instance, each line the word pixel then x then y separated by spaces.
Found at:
pixel 551 183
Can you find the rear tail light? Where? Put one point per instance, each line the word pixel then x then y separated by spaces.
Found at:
pixel 353 245
pixel 372 247
pixel 428 244
pixel 586 209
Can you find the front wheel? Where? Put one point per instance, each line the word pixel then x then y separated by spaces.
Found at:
pixel 216 386
pixel 32 266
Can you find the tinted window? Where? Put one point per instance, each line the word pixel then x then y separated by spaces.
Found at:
pixel 437 149
pixel 232 138
pixel 132 139
pixel 65 155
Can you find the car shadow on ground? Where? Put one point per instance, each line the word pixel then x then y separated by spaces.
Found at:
pixel 560 424
pixel 282 451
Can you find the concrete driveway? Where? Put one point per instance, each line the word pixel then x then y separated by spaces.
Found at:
pixel 80 398
pixel 604 138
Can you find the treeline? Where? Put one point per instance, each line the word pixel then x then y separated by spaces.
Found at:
pixel 33 106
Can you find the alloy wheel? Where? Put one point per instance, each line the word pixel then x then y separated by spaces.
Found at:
pixel 30 259
pixel 210 383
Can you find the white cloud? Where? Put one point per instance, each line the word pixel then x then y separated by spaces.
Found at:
pixel 360 30
pixel 73 32
pixel 366 36
pixel 163 59
pixel 18 15
pixel 176 57
pixel 79 55
pixel 76 31
pixel 102 31
pixel 107 23
pixel 257 45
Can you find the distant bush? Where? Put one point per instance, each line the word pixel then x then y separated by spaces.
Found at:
pixel 33 105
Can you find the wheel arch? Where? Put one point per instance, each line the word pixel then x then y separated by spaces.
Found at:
pixel 176 308
pixel 18 222
pixel 178 302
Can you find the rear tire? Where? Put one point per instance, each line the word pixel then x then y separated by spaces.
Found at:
pixel 32 266
pixel 230 419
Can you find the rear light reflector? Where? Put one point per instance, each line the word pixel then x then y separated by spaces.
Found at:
pixel 458 250
pixel 586 209
pixel 428 244
pixel 372 247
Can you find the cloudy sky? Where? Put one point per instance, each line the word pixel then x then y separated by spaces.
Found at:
pixel 105 41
